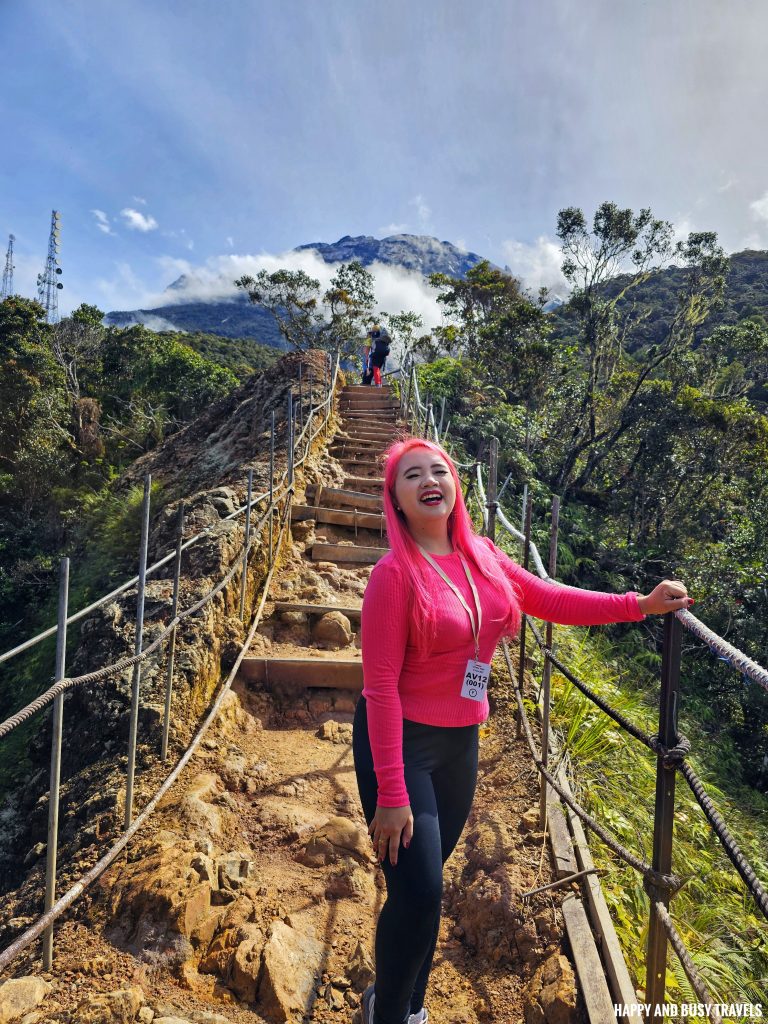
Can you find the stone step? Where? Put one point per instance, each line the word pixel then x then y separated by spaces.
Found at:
pixel 328 673
pixel 317 609
pixel 354 553
pixel 339 517
pixel 348 498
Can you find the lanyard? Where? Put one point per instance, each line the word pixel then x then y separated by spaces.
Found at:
pixel 476 624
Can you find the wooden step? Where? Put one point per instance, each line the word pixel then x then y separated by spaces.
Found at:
pixel 378 415
pixel 373 449
pixel 367 484
pixel 356 553
pixel 348 498
pixel 339 517
pixel 371 464
pixel 317 609
pixel 369 434
pixel 358 406
pixel 328 673
pixel 365 389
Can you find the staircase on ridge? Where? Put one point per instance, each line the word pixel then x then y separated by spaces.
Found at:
pixel 353 516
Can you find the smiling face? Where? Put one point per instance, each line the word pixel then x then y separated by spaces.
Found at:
pixel 424 488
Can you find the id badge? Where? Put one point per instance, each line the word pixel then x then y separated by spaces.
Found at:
pixel 475 682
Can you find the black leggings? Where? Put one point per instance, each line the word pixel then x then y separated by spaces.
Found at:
pixel 440 776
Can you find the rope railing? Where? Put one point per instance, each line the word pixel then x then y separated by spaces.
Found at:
pixel 670 747
pixel 298 449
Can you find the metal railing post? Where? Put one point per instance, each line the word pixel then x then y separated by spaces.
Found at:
pixel 664 813
pixel 547 673
pixel 491 502
pixel 300 412
pixel 172 640
pixel 53 795
pixel 522 520
pixel 521 664
pixel 309 414
pixel 290 439
pixel 244 579
pixel 442 415
pixel 271 485
pixel 133 730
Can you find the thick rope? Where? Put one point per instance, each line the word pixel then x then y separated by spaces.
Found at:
pixel 727 652
pixel 683 956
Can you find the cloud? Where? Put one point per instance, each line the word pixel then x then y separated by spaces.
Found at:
pixel 138 221
pixel 139 200
pixel 393 229
pixel 537 265
pixel 728 185
pixel 395 288
pixel 759 208
pixel 102 222
pixel 423 212
pixel 230 241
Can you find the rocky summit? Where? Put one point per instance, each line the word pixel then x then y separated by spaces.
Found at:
pixel 219 308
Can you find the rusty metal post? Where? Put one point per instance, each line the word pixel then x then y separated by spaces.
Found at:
pixel 300 411
pixel 290 439
pixel 244 579
pixel 522 520
pixel 526 556
pixel 134 721
pixel 172 641
pixel 271 485
pixel 491 502
pixel 664 813
pixel 56 740
pixel 547 673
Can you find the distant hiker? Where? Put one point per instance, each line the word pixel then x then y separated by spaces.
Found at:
pixel 434 609
pixel 380 342
pixel 367 368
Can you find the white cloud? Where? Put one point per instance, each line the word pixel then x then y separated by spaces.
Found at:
pixel 393 229
pixel 423 212
pixel 139 200
pixel 537 265
pixel 138 221
pixel 102 222
pixel 728 185
pixel 759 208
pixel 230 241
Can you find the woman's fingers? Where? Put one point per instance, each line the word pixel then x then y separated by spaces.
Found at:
pixel 667 596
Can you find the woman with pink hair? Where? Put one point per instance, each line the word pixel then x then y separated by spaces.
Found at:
pixel 435 607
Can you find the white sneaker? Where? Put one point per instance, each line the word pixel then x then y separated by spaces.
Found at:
pixel 419 1018
pixel 369 997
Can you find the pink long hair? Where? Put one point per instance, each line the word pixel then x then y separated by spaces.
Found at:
pixel 461 533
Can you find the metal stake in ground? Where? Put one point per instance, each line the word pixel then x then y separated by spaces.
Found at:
pixel 53 795
pixel 133 730
pixel 290 439
pixel 271 483
pixel 172 641
pixel 547 673
pixel 244 579
pixel 664 813
pixel 491 503
pixel 526 554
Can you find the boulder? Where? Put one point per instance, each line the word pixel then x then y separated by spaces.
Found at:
pixel 292 960
pixel 20 996
pixel 245 965
pixel 360 968
pixel 337 839
pixel 335 732
pixel 118 1007
pixel 550 995
pixel 332 631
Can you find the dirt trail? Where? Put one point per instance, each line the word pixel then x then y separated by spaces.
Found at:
pixel 252 895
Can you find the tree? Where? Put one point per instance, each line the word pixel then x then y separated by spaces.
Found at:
pixel 306 319
pixel 475 301
pixel 292 298
pixel 402 327
pixel 607 399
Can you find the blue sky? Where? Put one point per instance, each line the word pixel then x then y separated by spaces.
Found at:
pixel 179 135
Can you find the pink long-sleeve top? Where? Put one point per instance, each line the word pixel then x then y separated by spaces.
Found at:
pixel 399 682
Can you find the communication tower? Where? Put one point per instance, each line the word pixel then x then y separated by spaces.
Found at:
pixel 8 272
pixel 48 284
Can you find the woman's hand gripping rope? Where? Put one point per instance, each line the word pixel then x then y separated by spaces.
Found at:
pixel 388 827
pixel 667 596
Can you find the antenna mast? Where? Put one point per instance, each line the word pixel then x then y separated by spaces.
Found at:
pixel 48 286
pixel 8 272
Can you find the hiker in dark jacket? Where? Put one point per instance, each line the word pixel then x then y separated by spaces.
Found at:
pixel 380 343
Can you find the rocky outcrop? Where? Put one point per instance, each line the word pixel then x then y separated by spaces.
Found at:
pixel 550 996
pixel 20 996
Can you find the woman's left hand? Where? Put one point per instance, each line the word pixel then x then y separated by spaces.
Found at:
pixel 668 596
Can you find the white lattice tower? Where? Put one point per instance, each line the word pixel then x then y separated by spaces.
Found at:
pixel 48 284
pixel 8 272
